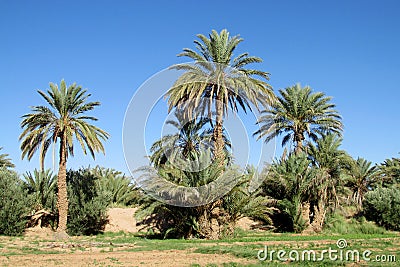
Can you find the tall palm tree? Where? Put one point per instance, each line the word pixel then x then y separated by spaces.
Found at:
pixel 362 177
pixel 298 114
pixel 5 161
pixel 217 81
pixel 63 120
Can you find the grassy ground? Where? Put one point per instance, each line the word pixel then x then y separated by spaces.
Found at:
pixel 121 249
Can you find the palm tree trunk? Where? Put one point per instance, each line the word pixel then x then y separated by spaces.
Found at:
pixel 209 227
pixel 217 134
pixel 41 163
pixel 305 212
pixel 319 217
pixel 299 142
pixel 62 198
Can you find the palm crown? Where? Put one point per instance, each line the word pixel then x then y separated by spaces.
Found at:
pixel 5 161
pixel 298 114
pixel 217 81
pixel 64 119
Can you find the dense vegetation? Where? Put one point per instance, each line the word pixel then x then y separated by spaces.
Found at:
pixel 314 186
pixel 12 202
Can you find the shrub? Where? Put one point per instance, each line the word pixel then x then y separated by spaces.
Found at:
pixel 175 221
pixel 337 224
pixel 87 205
pixel 42 189
pixel 42 185
pixel 13 203
pixel 119 187
pixel 383 207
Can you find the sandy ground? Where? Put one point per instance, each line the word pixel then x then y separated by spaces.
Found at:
pixel 145 258
pixel 121 219
pixel 90 254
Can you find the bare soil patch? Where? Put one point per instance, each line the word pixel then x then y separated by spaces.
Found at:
pixel 121 219
pixel 143 258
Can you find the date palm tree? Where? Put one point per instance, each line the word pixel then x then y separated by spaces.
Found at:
pixel 362 177
pixel 192 137
pixel 41 185
pixel 332 162
pixel 299 113
pixel 327 156
pixel 217 81
pixel 61 121
pixel 5 161
pixel 389 172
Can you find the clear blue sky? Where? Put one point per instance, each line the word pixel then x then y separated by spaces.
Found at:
pixel 347 49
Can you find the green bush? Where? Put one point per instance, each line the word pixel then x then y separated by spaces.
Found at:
pixel 87 209
pixel 383 207
pixel 119 187
pixel 13 203
pixel 42 186
pixel 42 190
pixel 337 224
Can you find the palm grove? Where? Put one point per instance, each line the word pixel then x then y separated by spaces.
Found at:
pixel 309 188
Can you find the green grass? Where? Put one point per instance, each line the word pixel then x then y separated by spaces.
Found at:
pixel 245 245
pixel 385 247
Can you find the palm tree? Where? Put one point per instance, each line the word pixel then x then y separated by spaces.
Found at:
pixel 116 185
pixel 362 177
pixel 217 81
pixel 331 162
pixel 389 172
pixel 294 186
pixel 63 120
pixel 41 185
pixel 298 114
pixel 192 138
pixel 327 156
pixel 5 161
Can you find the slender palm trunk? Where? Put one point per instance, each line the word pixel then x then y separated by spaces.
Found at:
pixel 208 222
pixel 218 138
pixel 299 142
pixel 62 198
pixel 41 163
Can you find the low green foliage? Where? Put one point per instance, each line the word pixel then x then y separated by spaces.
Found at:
pixel 5 161
pixel 337 224
pixel 13 203
pixel 175 221
pixel 118 187
pixel 42 186
pixel 383 207
pixel 87 205
pixel 292 183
